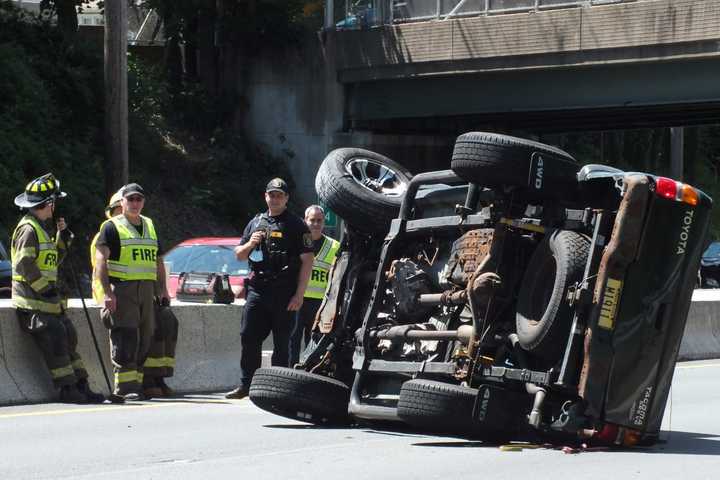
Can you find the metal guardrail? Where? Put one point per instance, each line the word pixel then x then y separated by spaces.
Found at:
pixel 359 14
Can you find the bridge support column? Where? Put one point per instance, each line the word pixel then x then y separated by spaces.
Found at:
pixel 677 143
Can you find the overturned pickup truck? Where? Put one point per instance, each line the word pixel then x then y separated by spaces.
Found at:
pixel 516 295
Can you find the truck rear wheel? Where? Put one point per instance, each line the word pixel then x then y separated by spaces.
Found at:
pixel 300 395
pixel 445 408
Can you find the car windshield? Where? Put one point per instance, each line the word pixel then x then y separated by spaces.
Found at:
pixel 205 258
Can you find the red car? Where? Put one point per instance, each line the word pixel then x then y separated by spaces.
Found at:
pixel 207 254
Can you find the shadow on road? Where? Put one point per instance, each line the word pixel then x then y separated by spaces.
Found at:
pixel 455 444
pixel 681 443
pixel 686 443
pixel 295 426
pixel 195 400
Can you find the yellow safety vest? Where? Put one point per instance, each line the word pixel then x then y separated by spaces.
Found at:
pixel 321 268
pixel 138 254
pixel 97 288
pixel 46 260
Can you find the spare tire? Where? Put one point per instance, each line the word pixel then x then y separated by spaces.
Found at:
pixel 301 395
pixel 493 160
pixel 364 188
pixel 544 316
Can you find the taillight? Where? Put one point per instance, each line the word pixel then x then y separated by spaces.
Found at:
pixel 673 190
pixel 689 194
pixel 612 434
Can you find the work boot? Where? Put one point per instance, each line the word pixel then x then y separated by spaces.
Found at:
pixel 152 392
pixel 151 389
pixel 132 396
pixel 70 394
pixel 129 396
pixel 237 394
pixel 166 390
pixel 92 397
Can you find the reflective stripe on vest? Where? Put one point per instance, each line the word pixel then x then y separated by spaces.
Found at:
pixel 138 254
pixel 97 289
pixel 321 268
pixel 46 261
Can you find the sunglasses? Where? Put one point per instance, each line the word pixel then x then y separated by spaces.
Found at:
pixel 135 198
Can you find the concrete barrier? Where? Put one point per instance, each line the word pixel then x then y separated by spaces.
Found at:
pixel 701 339
pixel 208 350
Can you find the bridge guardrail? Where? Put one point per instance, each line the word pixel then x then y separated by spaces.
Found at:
pixel 361 14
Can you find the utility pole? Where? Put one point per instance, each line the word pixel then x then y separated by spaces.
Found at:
pixel 116 95
pixel 677 144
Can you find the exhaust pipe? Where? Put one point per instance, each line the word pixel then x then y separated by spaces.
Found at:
pixel 464 334
pixel 535 417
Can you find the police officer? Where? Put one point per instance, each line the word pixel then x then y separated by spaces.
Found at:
pixel 325 250
pixel 127 264
pixel 160 361
pixel 278 246
pixel 35 259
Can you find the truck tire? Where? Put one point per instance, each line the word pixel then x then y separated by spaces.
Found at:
pixel 364 188
pixel 544 316
pixel 441 407
pixel 301 395
pixel 491 159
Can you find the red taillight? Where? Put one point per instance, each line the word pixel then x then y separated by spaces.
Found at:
pixel 608 434
pixel 672 190
pixel 612 434
pixel 666 188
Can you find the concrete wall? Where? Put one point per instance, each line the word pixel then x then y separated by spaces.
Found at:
pixel 702 331
pixel 287 110
pixel 296 110
pixel 208 351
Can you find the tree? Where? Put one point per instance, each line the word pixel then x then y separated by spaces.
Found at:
pixel 66 12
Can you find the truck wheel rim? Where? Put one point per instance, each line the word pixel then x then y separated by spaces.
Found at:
pixel 376 177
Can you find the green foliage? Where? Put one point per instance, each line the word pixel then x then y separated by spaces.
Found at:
pixel 178 148
pixel 50 111
pixel 648 150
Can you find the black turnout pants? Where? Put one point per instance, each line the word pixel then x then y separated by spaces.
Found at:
pixel 303 325
pixel 57 340
pixel 265 311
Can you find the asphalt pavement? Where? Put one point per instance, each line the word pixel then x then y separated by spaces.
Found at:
pixel 208 437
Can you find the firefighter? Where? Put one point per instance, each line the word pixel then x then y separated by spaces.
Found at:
pixel 128 262
pixel 35 259
pixel 325 250
pixel 113 208
pixel 278 246
pixel 160 361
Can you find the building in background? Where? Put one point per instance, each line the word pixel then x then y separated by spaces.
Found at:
pixel 143 23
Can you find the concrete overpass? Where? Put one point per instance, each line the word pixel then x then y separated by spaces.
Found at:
pixel 585 65
pixel 408 84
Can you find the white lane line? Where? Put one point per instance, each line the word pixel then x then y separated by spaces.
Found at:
pixel 108 408
pixel 708 365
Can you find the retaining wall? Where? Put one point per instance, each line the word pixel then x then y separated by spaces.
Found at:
pixel 208 350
